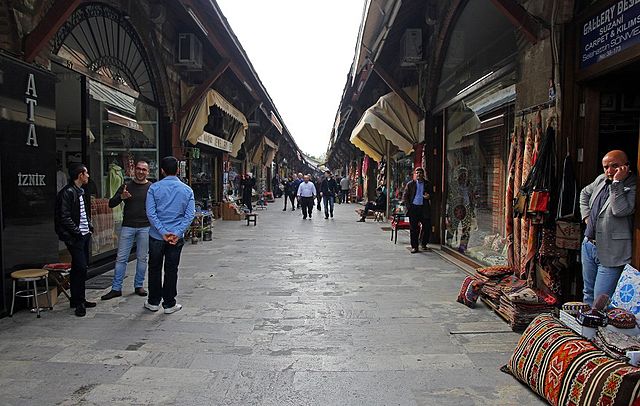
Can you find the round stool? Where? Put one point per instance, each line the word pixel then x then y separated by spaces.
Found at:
pixel 30 275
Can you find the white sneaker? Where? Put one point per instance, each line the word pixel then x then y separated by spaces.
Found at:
pixel 149 306
pixel 173 309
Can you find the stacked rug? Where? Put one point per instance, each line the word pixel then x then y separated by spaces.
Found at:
pixel 522 306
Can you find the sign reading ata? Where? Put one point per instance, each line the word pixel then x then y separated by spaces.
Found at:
pixel 31 100
pixel 609 32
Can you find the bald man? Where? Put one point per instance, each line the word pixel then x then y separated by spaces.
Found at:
pixel 607 207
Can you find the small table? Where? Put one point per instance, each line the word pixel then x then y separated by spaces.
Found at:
pixel 252 217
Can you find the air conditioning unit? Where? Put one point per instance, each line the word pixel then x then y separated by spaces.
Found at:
pixel 412 43
pixel 189 51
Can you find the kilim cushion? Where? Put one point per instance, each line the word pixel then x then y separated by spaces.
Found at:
pixel 627 293
pixel 621 318
pixel 469 291
pixel 495 271
pixel 566 369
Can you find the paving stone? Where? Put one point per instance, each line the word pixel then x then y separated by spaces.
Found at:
pixel 289 312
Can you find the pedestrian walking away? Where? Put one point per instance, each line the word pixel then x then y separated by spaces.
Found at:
pixel 607 206
pixel 328 191
pixel 306 196
pixel 317 182
pixel 135 228
pixel 170 207
pixel 417 199
pixel 72 221
pixel 344 189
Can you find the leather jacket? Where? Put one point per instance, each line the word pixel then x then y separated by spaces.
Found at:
pixel 67 213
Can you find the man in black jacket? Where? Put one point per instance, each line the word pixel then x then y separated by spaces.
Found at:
pixel 73 226
pixel 328 191
pixel 379 205
pixel 417 200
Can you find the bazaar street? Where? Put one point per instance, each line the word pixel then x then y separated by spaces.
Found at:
pixel 290 312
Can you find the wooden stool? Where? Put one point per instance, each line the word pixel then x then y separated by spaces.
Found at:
pixel 60 274
pixel 30 275
pixel 252 217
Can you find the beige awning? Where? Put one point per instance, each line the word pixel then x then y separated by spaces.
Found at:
pixel 389 119
pixel 192 126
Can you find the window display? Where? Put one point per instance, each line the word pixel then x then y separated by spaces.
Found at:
pixel 122 131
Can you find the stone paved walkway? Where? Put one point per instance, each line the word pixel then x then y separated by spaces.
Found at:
pixel 290 312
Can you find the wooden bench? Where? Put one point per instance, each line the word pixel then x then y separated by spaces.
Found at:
pixel 252 217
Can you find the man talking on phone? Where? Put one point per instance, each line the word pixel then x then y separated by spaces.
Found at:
pixel 417 200
pixel 607 207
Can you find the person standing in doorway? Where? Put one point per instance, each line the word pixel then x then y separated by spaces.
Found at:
pixel 417 199
pixel 306 196
pixel 170 208
pixel 328 191
pixel 135 228
pixel 607 206
pixel 344 189
pixel 72 221
pixel 248 184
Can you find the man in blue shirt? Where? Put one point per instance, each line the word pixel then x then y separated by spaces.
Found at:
pixel 170 208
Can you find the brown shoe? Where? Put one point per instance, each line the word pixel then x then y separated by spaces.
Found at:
pixel 111 295
pixel 141 292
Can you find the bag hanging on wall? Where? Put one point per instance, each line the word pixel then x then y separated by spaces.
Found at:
pixel 539 202
pixel 568 235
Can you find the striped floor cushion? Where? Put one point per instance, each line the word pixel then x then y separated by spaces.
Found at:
pixel 566 369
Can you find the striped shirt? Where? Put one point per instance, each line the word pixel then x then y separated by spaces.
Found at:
pixel 84 222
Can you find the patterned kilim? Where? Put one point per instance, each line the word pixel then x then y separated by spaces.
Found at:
pixel 566 369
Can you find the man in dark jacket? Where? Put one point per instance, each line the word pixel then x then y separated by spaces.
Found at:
pixel 328 191
pixel 417 199
pixel 248 183
pixel 379 205
pixel 73 226
pixel 289 193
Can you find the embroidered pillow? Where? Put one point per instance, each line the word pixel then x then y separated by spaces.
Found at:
pixel 469 291
pixel 627 293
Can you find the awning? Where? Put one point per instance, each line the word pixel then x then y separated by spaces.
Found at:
pixel 389 119
pixel 192 127
pixel 123 121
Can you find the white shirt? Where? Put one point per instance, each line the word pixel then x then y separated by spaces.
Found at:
pixel 306 189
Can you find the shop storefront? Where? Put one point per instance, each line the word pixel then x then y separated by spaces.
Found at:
pixel 603 72
pixel 475 103
pixel 28 168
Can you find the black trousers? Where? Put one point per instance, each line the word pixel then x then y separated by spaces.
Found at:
pixel 291 198
pixel 246 200
pixel 79 250
pixel 161 252
pixel 416 219
pixel 307 206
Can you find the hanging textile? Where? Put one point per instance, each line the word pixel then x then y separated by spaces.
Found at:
pixel 517 182
pixel 417 159
pixel 568 199
pixel 524 221
pixel 511 171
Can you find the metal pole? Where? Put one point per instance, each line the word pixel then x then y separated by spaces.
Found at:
pixel 388 179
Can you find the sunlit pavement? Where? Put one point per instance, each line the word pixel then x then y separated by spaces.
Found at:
pixel 289 312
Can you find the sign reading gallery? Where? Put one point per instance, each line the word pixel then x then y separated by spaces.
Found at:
pixel 610 32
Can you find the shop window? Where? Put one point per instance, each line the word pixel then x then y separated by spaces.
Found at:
pixel 121 131
pixel 477 134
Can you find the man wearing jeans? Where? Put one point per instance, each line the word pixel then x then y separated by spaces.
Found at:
pixel 170 209
pixel 135 228
pixel 72 222
pixel 328 191
pixel 607 207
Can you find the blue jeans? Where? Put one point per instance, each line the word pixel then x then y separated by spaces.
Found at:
pixel 166 289
pixel 328 205
pixel 597 279
pixel 129 235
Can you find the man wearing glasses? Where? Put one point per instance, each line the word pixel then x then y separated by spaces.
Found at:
pixel 135 228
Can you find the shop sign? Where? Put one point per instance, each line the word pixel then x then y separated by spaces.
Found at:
pixel 610 32
pixel 27 162
pixel 214 141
